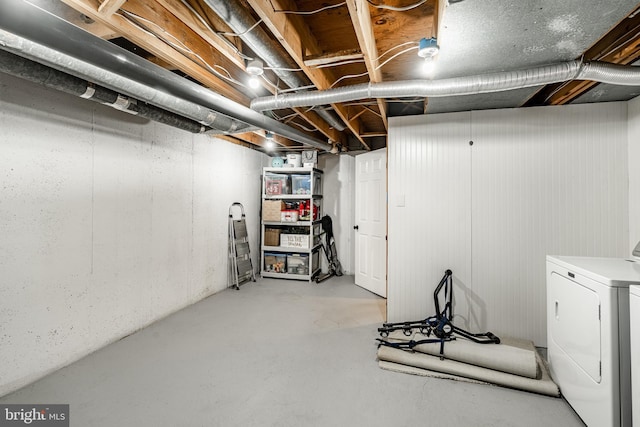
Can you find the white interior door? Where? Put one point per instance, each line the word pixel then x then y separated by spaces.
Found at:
pixel 371 221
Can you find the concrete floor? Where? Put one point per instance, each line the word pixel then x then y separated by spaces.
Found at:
pixel 274 353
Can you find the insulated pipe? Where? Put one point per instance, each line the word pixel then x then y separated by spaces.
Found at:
pixel 242 23
pixel 78 68
pixel 38 35
pixel 486 83
pixel 37 73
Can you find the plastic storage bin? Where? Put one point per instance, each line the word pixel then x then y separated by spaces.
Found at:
pixel 275 262
pixel 301 184
pixel 298 264
pixel 276 184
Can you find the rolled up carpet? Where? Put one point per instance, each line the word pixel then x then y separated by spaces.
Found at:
pixel 511 356
pixel 542 385
pixel 396 367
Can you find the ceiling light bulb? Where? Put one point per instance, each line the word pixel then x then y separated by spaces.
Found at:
pixel 269 145
pixel 254 82
pixel 428 47
pixel 429 65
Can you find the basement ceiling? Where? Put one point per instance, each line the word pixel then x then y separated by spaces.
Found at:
pixel 333 44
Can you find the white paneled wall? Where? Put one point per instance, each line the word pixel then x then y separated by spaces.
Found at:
pixel 107 223
pixel 546 180
pixel 429 219
pixel 536 181
pixel 634 172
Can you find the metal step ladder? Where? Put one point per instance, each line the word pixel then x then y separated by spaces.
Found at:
pixel 240 265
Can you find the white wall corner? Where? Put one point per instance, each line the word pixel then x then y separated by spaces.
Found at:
pixel 634 171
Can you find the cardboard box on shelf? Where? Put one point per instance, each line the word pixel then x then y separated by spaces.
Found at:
pixel 272 237
pixel 271 210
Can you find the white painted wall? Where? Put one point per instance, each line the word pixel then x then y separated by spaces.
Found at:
pixel 634 172
pixel 536 181
pixel 338 199
pixel 107 223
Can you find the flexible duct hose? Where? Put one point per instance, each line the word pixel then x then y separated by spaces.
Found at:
pixel 471 85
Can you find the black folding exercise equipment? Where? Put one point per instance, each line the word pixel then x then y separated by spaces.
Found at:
pixel 329 250
pixel 440 325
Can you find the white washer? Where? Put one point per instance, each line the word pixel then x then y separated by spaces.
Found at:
pixel 588 335
pixel 634 312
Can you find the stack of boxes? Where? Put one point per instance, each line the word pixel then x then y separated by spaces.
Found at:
pixel 277 184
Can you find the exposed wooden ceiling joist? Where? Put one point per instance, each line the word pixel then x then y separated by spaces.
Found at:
pixel 361 18
pixel 188 17
pixel 109 7
pixel 296 37
pixel 192 18
pixel 153 12
pixel 258 139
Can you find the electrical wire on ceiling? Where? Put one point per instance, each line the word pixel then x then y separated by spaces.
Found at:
pixel 395 56
pixel 396 8
pixel 310 12
pixel 382 64
pixel 270 83
pixel 178 45
pixel 248 30
pixel 217 33
pixel 348 76
pixel 284 118
pixel 394 48
pixel 296 89
pixel 303 127
pixel 336 64
pixel 282 69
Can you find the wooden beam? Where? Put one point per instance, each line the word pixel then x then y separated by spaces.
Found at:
pixel 373 134
pixel 233 140
pixel 625 54
pixel 358 114
pixel 187 16
pixel 372 111
pixel 257 138
pixel 176 8
pixel 361 19
pixel 296 37
pixel 109 7
pixel 156 13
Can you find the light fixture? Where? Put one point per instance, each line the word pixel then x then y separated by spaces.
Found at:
pixel 254 83
pixel 428 67
pixel 255 69
pixel 428 48
pixel 269 143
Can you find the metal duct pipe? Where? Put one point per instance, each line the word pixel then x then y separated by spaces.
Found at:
pixel 37 73
pixel 486 83
pixel 31 32
pixel 80 69
pixel 603 72
pixel 242 23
